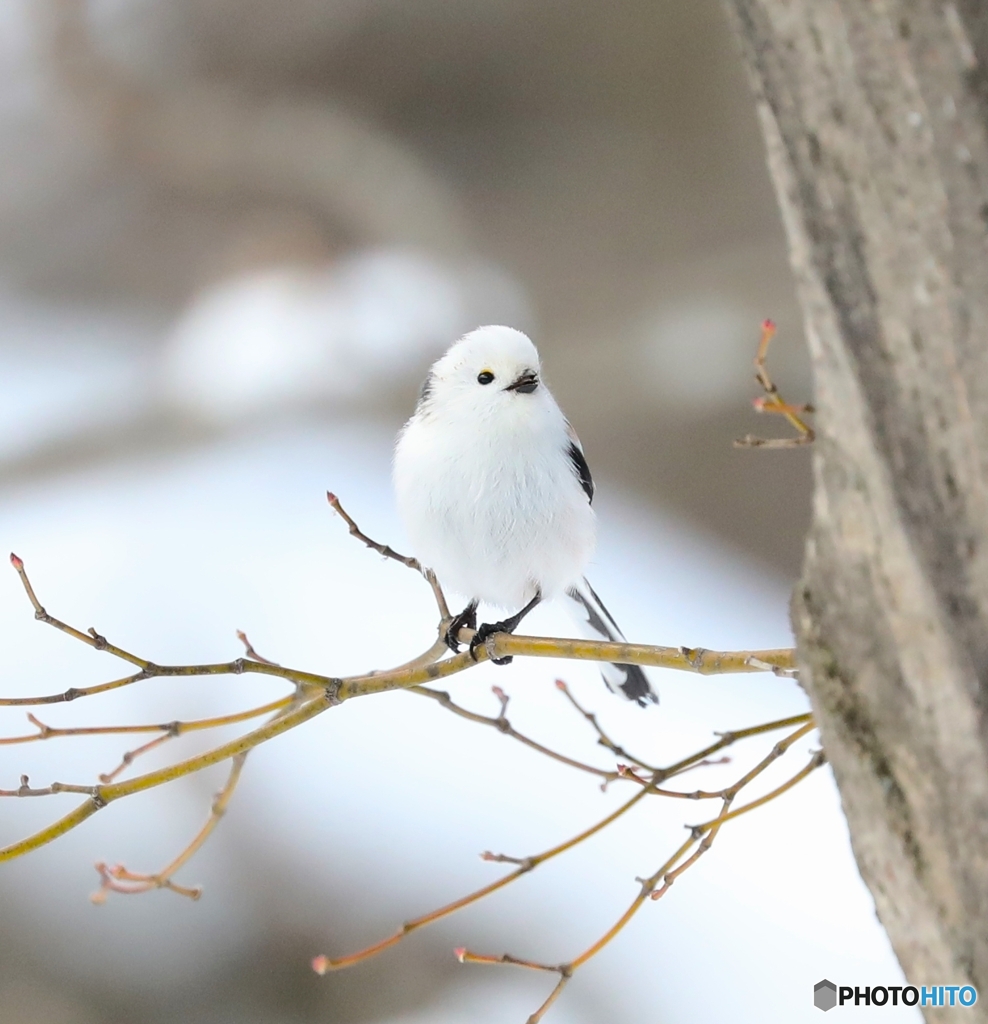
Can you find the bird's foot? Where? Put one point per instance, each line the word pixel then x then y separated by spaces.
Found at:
pixel 489 629
pixel 467 618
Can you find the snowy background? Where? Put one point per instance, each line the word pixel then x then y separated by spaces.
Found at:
pixel 231 243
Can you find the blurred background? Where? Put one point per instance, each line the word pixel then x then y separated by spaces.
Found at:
pixel 232 238
pixel 217 212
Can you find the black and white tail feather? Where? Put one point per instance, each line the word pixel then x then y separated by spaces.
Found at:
pixel 595 623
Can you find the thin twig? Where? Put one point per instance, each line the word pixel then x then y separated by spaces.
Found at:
pixel 26 789
pixel 149 669
pixel 728 796
pixel 321 964
pixel 434 653
pixel 46 732
pixel 602 738
pixel 178 728
pixel 817 760
pixel 772 402
pixel 657 775
pixel 92 638
pixel 130 756
pixel 564 977
pixel 72 693
pixel 728 738
pixel 389 552
pixel 666 874
pixel 502 725
pixel 119 879
pixel 249 649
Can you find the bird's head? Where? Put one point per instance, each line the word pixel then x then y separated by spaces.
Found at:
pixel 488 368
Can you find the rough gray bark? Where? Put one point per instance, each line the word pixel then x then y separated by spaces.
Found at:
pixel 875 117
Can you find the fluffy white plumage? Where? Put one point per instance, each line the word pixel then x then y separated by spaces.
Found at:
pixel 494 489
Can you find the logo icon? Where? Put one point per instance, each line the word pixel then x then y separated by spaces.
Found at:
pixel 825 995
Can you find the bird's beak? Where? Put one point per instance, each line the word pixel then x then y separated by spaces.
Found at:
pixel 526 383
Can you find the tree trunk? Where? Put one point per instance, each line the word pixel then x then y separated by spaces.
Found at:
pixel 875 117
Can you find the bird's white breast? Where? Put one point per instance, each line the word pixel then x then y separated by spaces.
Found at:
pixel 493 504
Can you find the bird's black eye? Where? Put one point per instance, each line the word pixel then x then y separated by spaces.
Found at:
pixel 485 377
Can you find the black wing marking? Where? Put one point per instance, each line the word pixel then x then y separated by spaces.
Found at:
pixel 582 470
pixel 426 393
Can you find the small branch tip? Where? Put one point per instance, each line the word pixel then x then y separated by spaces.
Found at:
pixel 16 562
pixel 320 964
pixel 772 402
pixel 460 953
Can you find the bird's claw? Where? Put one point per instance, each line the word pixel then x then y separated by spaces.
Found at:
pixel 467 618
pixel 480 637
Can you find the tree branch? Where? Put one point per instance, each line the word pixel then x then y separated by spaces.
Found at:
pixel 119 879
pixel 314 693
pixel 773 402
pixel 666 874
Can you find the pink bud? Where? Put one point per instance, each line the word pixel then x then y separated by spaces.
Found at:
pixel 320 964
pixel 16 562
pixel 460 952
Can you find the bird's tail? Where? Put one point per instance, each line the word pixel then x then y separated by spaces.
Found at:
pixel 595 623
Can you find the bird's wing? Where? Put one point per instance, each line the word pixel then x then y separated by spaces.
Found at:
pixel 575 452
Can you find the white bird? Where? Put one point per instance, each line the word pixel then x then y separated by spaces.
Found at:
pixel 496 494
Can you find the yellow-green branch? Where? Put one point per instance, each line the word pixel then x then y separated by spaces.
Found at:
pixel 333 691
pixel 684 659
